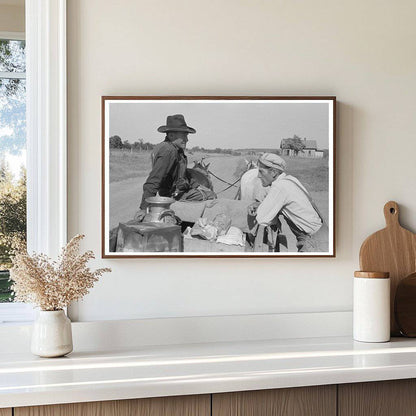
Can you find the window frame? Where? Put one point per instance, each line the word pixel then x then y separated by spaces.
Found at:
pixel 46 140
pixel 46 125
pixel 12 35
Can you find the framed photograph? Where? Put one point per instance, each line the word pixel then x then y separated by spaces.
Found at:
pixel 218 177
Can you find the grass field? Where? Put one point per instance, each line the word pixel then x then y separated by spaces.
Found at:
pixel 125 164
pixel 313 173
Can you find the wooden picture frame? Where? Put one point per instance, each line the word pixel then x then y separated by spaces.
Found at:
pixel 276 154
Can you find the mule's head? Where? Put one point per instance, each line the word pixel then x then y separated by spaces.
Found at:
pixel 201 165
pixel 250 164
pixel 200 173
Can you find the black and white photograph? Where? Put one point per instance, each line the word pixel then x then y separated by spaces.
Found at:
pixel 218 176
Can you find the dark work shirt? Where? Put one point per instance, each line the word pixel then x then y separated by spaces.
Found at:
pixel 168 172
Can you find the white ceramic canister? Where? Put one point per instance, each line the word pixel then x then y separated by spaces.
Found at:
pixel 52 334
pixel 371 307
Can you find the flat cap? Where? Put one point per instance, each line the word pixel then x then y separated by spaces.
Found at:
pixel 271 160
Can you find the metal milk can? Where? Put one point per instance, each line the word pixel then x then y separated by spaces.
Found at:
pixel 159 210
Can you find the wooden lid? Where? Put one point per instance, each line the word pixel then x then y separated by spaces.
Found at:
pixel 372 275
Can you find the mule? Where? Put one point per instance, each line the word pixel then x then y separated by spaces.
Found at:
pixel 199 173
pixel 251 188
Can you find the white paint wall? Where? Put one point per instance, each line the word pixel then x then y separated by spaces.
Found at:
pixel 361 51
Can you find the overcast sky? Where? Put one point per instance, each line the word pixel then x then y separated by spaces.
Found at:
pixel 225 124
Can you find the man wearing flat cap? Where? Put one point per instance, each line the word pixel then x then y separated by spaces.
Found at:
pixel 168 174
pixel 288 197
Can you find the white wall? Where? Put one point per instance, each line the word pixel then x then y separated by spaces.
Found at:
pixel 361 51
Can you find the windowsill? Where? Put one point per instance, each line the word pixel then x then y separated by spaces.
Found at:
pixel 16 314
pixel 151 371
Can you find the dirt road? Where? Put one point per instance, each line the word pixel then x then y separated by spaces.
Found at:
pixel 125 197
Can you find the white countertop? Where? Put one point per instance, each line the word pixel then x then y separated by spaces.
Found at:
pixel 200 368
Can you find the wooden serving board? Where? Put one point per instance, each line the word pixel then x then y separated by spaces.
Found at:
pixel 393 250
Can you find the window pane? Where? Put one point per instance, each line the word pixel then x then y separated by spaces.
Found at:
pixel 12 116
pixel 12 55
pixel 12 159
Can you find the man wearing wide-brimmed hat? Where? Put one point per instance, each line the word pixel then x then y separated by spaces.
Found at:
pixel 168 174
pixel 288 197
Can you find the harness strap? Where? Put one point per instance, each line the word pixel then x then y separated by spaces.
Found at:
pixel 222 180
pixel 309 198
pixel 228 187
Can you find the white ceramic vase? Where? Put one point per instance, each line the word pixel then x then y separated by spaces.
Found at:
pixel 52 334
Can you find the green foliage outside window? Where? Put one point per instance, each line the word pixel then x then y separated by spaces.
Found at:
pixel 12 143
pixel 12 223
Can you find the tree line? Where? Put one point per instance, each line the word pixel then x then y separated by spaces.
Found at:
pixel 12 212
pixel 12 223
pixel 117 143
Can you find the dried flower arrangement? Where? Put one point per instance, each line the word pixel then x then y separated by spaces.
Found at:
pixel 52 285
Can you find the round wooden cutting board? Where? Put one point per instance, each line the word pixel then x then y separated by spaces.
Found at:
pixel 393 250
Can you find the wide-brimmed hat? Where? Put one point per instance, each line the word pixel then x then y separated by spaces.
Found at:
pixel 271 160
pixel 176 123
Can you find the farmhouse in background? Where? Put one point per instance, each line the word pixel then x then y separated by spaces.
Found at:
pixel 297 147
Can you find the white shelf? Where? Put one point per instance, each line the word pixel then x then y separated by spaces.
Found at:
pixel 150 371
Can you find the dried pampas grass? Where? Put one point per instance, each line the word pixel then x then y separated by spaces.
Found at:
pixel 52 285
